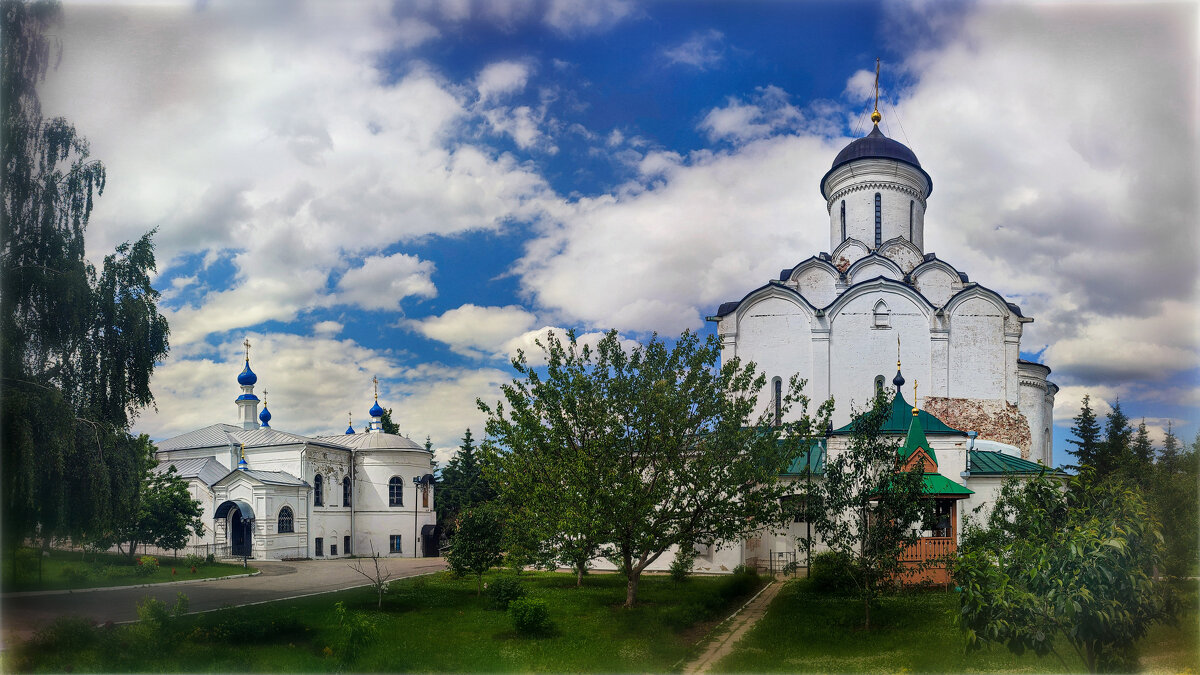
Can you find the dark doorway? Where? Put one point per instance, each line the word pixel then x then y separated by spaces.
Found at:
pixel 239 535
pixel 430 538
pixel 346 545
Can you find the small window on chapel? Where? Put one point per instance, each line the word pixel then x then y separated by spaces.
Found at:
pixel 843 220
pixel 878 219
pixel 777 396
pixel 878 383
pixel 882 316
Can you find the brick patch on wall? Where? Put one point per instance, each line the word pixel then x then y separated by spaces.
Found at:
pixel 994 420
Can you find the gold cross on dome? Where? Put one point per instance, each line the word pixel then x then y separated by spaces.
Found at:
pixel 376 381
pixel 246 344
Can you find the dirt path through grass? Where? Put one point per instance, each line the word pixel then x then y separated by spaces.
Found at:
pixel 728 635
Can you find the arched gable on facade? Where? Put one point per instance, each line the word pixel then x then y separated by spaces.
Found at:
pixel 848 252
pixel 937 280
pixel 902 252
pixel 816 280
pixel 873 266
pixel 978 319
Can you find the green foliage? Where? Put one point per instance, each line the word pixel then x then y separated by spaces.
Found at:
pixel 832 572
pixel 681 566
pixel 742 581
pixel 75 575
pixel 503 590
pixel 193 560
pixel 462 485
pixel 626 453
pixel 355 630
pixel 1175 495
pixel 1087 442
pixel 1076 567
pixel 870 503
pixel 147 565
pixel 77 345
pixel 475 547
pixel 530 616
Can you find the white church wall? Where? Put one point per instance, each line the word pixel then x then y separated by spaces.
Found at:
pixel 860 351
pixel 936 284
pixel 977 350
pixel 817 283
pixel 868 269
pixel 848 252
pixel 897 185
pixel 777 331
pixel 903 253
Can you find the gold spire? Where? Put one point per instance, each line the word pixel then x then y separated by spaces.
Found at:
pixel 246 344
pixel 897 352
pixel 875 116
pixel 376 381
pixel 914 398
pixel 349 419
pixel 243 452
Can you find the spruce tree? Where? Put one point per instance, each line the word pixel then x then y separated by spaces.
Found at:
pixel 1169 454
pixel 1116 452
pixel 462 485
pixel 1087 436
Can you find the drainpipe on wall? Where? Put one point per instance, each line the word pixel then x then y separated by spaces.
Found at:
pixel 307 505
pixel 353 496
pixel 970 446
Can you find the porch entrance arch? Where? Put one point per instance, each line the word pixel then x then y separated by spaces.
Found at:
pixel 240 531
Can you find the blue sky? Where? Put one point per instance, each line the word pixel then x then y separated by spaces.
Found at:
pixel 414 190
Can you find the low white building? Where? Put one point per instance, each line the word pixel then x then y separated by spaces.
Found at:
pixel 271 494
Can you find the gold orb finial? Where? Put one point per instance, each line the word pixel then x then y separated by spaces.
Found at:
pixel 875 117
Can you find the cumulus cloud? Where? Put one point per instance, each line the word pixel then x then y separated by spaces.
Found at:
pixel 501 78
pixel 701 50
pixel 587 16
pixel 769 111
pixel 383 281
pixel 476 331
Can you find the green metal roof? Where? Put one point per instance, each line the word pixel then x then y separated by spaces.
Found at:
pixel 991 463
pixel 813 460
pixel 916 441
pixel 901 418
pixel 937 484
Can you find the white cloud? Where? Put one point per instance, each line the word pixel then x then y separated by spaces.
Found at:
pixel 476 331
pixel 382 282
pixel 701 50
pixel 768 112
pixel 587 16
pixel 327 329
pixel 500 79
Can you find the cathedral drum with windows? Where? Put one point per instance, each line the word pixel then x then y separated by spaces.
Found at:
pixel 840 319
pixel 294 496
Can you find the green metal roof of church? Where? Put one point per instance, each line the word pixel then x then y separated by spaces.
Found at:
pixel 937 484
pixel 991 463
pixel 900 419
pixel 813 460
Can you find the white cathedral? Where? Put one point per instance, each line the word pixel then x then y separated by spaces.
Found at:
pixel 840 319
pixel 270 494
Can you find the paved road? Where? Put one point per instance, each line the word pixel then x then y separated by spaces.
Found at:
pixel 22 615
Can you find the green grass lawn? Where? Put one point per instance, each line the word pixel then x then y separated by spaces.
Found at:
pixel 428 624
pixel 807 632
pixel 63 570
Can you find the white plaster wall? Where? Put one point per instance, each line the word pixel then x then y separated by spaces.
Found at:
pixel 871 269
pixel 775 333
pixel 936 284
pixel 859 351
pixel 375 520
pixel 977 351
pixel 1032 406
pixel 818 284
pixel 903 254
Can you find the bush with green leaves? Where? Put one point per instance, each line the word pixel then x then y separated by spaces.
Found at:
pixel 503 591
pixel 146 566
pixel 355 630
pixel 832 572
pixel 193 560
pixel 681 566
pixel 75 575
pixel 530 616
pixel 742 581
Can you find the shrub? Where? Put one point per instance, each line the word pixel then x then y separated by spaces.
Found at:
pixel 503 591
pixel 146 565
pixel 68 634
pixel 355 630
pixel 530 616
pixel 832 572
pixel 193 560
pixel 75 575
pixel 741 582
pixel 210 559
pixel 681 566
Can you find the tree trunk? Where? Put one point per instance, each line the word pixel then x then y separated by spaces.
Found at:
pixel 479 588
pixel 867 610
pixel 631 588
pixel 578 576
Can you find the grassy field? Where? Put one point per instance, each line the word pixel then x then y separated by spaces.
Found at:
pixel 64 570
pixel 428 624
pixel 813 633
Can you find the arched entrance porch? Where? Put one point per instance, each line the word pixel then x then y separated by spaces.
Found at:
pixel 239 532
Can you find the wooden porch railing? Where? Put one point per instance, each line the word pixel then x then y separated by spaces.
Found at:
pixel 927 548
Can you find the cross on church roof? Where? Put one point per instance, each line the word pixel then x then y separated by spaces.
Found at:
pixel 246 344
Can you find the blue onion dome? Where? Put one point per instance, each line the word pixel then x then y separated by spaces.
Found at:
pixel 265 416
pixel 247 377
pixel 376 410
pixel 898 380
pixel 349 431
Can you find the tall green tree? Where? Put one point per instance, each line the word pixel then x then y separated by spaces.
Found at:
pixel 77 346
pixel 870 504
pixel 1116 450
pixel 462 484
pixel 1087 440
pixel 657 443
pixel 475 546
pixel 1175 494
pixel 1079 572
pixel 1170 449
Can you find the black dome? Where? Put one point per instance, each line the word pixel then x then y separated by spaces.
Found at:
pixel 876 146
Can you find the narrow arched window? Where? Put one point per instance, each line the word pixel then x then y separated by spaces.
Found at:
pixel 346 491
pixel 911 206
pixel 878 220
pixel 286 523
pixel 878 383
pixel 318 491
pixel 882 315
pixel 777 396
pixel 396 491
pixel 843 220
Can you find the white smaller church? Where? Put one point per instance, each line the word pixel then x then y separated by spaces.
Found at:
pixel 270 494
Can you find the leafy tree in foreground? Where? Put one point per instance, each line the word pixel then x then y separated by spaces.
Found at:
pixel 164 513
pixel 1087 436
pixel 475 546
pixel 1077 567
pixel 870 503
pixel 77 347
pixel 640 451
